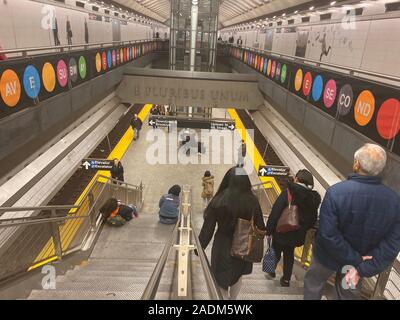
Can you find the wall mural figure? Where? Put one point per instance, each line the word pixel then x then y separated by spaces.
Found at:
pixel 324 51
pixel 301 42
pixel 69 32
pixel 55 31
pixel 86 32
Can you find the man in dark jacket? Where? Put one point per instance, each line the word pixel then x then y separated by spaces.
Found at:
pixel 359 229
pixel 136 124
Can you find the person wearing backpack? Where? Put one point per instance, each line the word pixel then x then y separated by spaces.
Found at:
pixel 299 195
pixel 234 200
pixel 116 213
pixel 169 206
pixel 208 187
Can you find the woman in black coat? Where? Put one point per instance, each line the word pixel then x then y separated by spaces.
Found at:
pixel 233 200
pixel 307 202
pixel 117 171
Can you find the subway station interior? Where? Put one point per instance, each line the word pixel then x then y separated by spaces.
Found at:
pixel 136 135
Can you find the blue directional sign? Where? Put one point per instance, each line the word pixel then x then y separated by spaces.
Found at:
pixel 273 171
pixel 97 164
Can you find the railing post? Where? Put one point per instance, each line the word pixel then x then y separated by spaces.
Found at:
pixel 56 236
pixel 380 284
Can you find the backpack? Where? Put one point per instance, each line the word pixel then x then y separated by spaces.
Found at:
pixel 116 221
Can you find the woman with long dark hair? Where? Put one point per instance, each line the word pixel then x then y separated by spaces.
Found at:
pixel 234 199
pixel 307 200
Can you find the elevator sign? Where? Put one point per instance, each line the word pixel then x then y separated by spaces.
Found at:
pixel 273 171
pixel 97 164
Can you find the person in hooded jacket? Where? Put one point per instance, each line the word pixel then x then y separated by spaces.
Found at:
pixel 307 201
pixel 169 206
pixel 234 199
pixel 208 187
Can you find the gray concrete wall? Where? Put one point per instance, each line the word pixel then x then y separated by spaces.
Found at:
pixel 21 134
pixel 333 139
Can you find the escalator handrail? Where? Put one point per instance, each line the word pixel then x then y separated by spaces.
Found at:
pixel 213 289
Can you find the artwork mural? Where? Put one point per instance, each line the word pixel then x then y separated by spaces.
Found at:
pixel 269 38
pixel 301 42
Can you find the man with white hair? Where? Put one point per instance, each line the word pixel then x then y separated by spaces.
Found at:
pixel 359 229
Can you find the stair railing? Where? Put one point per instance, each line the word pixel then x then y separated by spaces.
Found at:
pixel 34 236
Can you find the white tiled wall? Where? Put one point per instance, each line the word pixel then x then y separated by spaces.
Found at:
pixel 372 45
pixel 21 26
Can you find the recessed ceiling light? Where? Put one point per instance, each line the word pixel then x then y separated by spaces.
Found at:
pixel 296 11
pixel 312 8
pixel 333 3
pixel 284 14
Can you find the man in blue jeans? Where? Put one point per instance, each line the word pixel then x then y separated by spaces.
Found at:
pixel 359 230
pixel 136 124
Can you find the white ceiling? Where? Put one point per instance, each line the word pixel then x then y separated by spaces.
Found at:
pixel 231 11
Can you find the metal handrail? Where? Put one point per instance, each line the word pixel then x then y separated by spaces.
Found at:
pixel 152 286
pixel 69 47
pixel 321 63
pixel 57 247
pixel 213 289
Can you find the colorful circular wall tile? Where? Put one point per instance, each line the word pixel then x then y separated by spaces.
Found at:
pixel 82 67
pixel 364 108
pixel 10 88
pixel 114 58
pixel 330 93
pixel 388 119
pixel 109 59
pixel 31 82
pixel 307 84
pixel 273 69
pixel 278 71
pixel 283 73
pixel 345 100
pixel 121 55
pixel 48 77
pixel 118 59
pixel 98 62
pixel 104 60
pixel 317 88
pixel 269 67
pixel 62 73
pixel 265 66
pixel 298 80
pixel 73 70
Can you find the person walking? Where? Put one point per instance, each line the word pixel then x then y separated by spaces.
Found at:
pixel 359 229
pixel 300 194
pixel 233 200
pixel 117 171
pixel 242 151
pixel 169 206
pixel 208 187
pixel 136 124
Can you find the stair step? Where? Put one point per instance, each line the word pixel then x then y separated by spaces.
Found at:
pixel 273 296
pixel 108 273
pixel 118 280
pixel 100 284
pixel 128 262
pixel 126 268
pixel 83 295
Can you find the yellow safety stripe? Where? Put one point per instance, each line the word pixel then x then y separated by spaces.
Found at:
pixel 70 228
pixel 255 156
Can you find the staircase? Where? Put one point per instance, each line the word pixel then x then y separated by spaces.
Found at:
pixel 119 267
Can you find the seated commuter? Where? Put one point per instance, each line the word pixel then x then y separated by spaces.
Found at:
pixel 169 206
pixel 116 213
